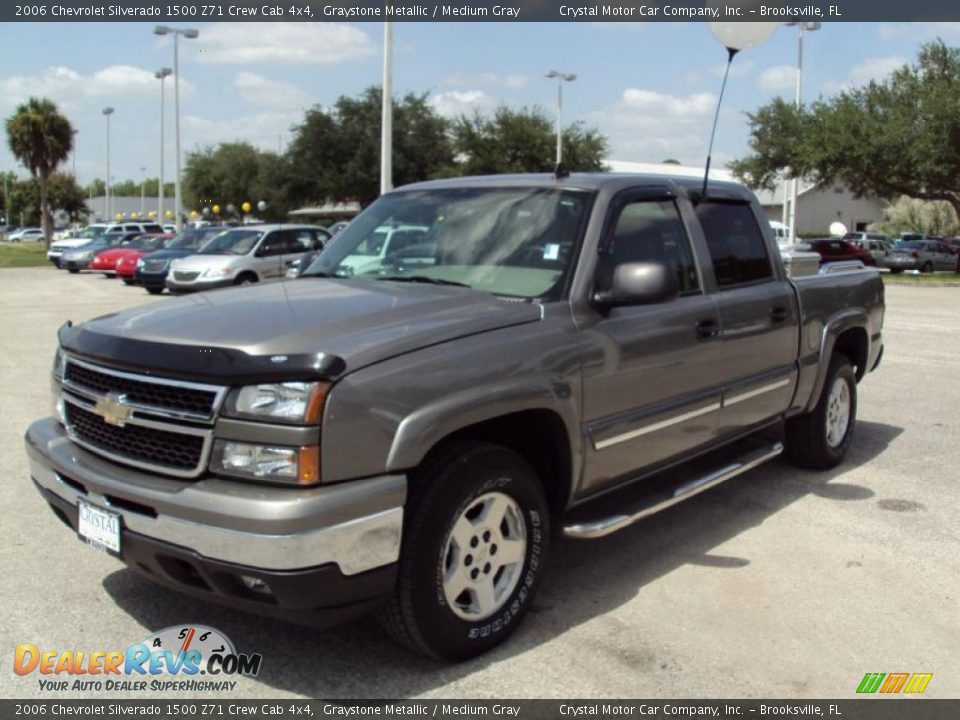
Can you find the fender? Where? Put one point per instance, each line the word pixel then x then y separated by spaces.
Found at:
pixel 835 326
pixel 423 428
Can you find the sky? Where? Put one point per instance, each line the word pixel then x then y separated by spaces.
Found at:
pixel 650 87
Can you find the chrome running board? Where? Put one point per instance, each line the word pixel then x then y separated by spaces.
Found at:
pixel 607 525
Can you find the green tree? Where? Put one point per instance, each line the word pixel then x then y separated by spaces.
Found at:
pixel 891 138
pixel 96 188
pixel 63 196
pixel 335 153
pixel 523 141
pixel 41 139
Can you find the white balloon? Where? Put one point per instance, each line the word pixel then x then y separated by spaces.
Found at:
pixel 743 35
pixel 837 229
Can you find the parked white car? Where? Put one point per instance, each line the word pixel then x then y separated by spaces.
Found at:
pixel 244 255
pixel 373 252
pixel 95 232
pixel 29 233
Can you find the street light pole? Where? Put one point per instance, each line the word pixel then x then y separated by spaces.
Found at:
pixel 386 115
pixel 143 194
pixel 795 182
pixel 561 78
pixel 161 75
pixel 108 111
pixel 190 34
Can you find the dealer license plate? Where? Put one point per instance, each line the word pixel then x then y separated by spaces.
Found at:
pixel 99 528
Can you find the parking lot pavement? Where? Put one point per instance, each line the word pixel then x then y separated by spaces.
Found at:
pixel 780 583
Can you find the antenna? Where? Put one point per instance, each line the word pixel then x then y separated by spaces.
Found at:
pixel 731 52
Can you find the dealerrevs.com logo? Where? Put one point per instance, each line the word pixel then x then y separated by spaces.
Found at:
pixel 173 659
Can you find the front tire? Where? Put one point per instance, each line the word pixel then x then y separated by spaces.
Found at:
pixel 155 290
pixel 927 267
pixel 476 533
pixel 819 439
pixel 73 271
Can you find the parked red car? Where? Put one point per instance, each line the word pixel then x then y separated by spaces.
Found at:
pixel 837 250
pixel 106 261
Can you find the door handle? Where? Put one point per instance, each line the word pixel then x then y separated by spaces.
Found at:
pixel 778 314
pixel 707 329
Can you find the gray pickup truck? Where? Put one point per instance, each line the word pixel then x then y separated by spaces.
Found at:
pixel 554 355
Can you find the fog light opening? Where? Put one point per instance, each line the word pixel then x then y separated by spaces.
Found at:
pixel 256 585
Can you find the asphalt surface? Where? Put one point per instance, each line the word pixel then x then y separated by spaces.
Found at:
pixel 780 583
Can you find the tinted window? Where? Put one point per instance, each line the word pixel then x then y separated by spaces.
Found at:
pixel 302 241
pixel 276 243
pixel 649 231
pixel 737 248
pixel 150 228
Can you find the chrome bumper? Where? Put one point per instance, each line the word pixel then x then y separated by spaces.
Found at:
pixel 357 525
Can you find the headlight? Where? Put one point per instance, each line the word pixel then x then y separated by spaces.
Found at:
pixel 58 363
pixel 296 403
pixel 85 256
pixel 290 465
pixel 216 272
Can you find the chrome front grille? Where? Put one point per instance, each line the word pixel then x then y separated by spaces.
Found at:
pixel 162 425
pixel 155 265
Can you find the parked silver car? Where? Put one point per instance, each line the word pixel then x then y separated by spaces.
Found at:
pixel 923 255
pixel 242 255
pixel 879 246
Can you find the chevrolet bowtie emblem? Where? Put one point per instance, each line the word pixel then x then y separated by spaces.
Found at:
pixel 113 409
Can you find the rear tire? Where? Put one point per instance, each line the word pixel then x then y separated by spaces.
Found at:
pixel 476 531
pixel 73 271
pixel 127 281
pixel 819 439
pixel 896 271
pixel 927 267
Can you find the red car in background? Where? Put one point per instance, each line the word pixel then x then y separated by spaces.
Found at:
pixel 837 250
pixel 106 261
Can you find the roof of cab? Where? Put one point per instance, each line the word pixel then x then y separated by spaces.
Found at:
pixel 587 181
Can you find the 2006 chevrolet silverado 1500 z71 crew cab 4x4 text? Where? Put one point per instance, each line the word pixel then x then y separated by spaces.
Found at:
pixel 553 354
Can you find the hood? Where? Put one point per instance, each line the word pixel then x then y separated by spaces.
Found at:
pixel 115 254
pixel 170 254
pixel 70 244
pixel 205 262
pixel 310 327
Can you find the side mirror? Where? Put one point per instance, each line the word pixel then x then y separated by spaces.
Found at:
pixel 639 283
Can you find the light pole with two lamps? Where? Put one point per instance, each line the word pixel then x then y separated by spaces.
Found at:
pixel 162 74
pixel 790 217
pixel 190 34
pixel 108 207
pixel 561 79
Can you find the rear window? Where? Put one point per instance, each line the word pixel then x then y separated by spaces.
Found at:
pixel 736 244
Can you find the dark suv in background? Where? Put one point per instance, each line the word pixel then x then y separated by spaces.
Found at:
pixel 152 270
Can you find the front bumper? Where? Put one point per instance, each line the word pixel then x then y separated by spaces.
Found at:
pixel 197 285
pixel 896 263
pixel 109 270
pixel 67 264
pixel 150 279
pixel 315 548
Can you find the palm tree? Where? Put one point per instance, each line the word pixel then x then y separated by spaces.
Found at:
pixel 40 138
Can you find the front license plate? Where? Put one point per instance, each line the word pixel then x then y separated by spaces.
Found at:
pixel 99 527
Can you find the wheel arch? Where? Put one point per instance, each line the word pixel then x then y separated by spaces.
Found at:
pixel 846 334
pixel 538 428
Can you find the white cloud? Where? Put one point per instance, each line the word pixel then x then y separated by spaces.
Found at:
pixel 778 78
pixel 283 44
pixel 509 82
pixel 456 102
pixel 648 126
pixel 258 90
pixel 70 89
pixel 265 130
pixel 918 31
pixel 876 69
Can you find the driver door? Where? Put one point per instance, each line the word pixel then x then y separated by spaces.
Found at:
pixel 650 372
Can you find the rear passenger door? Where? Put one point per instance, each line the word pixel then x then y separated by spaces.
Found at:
pixel 759 335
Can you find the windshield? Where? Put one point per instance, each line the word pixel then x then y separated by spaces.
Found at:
pixel 90 233
pixel 232 242
pixel 508 241
pixel 193 238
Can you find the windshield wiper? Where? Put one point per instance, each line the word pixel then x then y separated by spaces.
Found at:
pixel 421 279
